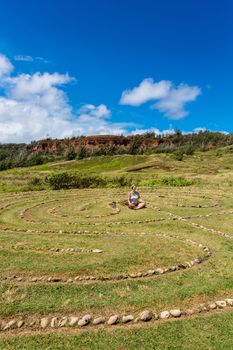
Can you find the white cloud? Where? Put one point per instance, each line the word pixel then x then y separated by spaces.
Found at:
pixel 5 66
pixel 173 105
pixel 42 59
pixel 100 111
pixel 154 130
pixel 26 86
pixel 171 100
pixel 146 91
pixel 28 58
pixel 24 58
pixel 200 129
pixel 35 105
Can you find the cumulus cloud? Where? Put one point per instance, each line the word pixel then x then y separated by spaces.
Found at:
pixel 33 106
pixel 171 100
pixel 146 91
pixel 173 105
pixel 5 66
pixel 90 110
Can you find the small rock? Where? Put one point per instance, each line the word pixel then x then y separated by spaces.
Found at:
pixel 159 271
pixel 73 321
pixel 98 320
pixel 229 302
pixel 97 251
pixel 150 272
pixel 33 279
pixel 221 303
pixel 82 323
pixel 164 315
pixel 20 323
pixel 133 275
pixel 175 313
pixel 172 268
pixel 63 322
pixel 69 280
pixel 212 306
pixel 145 316
pixel 205 307
pixel 54 322
pixel 113 320
pixel 10 324
pixel 85 320
pixel 44 322
pixel 139 274
pixel 128 318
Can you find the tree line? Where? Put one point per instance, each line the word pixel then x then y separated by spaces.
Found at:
pixel 22 155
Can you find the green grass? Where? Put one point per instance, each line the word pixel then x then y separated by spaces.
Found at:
pixel 199 185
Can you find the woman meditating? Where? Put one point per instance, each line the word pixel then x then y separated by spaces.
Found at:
pixel 134 200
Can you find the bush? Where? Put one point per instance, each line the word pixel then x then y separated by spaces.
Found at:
pixel 121 181
pixel 82 152
pixel 135 145
pixel 179 154
pixel 70 154
pixel 189 150
pixel 33 159
pixel 67 180
pixel 168 181
pixel 35 184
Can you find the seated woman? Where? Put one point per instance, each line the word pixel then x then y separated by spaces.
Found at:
pixel 134 200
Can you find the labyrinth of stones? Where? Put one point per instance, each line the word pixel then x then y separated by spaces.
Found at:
pixel 115 265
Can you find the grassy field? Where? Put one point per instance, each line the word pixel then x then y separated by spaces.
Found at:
pixel 70 253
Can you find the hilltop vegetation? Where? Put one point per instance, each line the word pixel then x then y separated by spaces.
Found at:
pixel 153 169
pixel 41 152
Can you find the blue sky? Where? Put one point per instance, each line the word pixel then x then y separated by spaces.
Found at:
pixel 87 66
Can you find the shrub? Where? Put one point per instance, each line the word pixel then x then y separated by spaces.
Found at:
pixel 67 180
pixel 135 145
pixel 82 152
pixel 189 150
pixel 32 159
pixel 168 181
pixel 35 184
pixel 179 154
pixel 70 154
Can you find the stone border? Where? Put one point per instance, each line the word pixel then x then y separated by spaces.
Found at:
pixel 111 223
pixel 117 211
pixel 204 228
pixel 77 321
pixel 52 211
pixel 55 250
pixel 123 276
pixel 213 205
pixel 145 316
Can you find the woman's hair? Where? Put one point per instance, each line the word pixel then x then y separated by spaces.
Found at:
pixel 133 187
